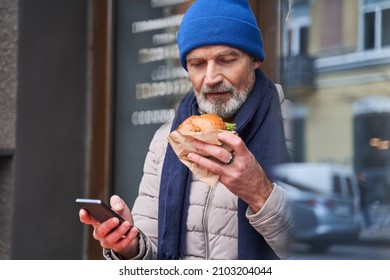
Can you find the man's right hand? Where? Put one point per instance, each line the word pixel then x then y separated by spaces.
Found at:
pixel 120 240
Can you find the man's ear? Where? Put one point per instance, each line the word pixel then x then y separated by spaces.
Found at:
pixel 256 63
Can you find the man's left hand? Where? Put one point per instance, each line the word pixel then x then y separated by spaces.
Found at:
pixel 243 176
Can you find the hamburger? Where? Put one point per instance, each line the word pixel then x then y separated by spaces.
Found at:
pixel 204 123
pixel 204 128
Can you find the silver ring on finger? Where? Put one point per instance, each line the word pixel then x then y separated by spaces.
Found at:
pixel 231 159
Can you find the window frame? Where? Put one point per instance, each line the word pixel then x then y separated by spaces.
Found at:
pixel 293 26
pixel 377 9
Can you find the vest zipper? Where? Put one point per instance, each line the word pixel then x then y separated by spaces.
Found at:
pixel 209 199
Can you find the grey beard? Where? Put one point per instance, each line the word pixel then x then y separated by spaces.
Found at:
pixel 223 107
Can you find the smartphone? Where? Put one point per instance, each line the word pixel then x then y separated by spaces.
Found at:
pixel 98 209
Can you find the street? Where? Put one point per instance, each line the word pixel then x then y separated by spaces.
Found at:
pixel 357 251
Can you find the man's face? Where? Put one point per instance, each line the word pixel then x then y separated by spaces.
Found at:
pixel 222 78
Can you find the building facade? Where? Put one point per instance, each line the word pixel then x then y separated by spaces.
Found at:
pixel 341 50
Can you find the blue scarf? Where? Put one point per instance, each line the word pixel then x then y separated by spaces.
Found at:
pixel 259 124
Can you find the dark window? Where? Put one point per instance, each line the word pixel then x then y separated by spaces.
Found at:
pixel 372 136
pixel 349 186
pixel 289 43
pixel 303 40
pixel 369 31
pixel 298 139
pixel 337 185
pixel 385 27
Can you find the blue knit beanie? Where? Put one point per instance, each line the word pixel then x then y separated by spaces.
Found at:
pixel 220 22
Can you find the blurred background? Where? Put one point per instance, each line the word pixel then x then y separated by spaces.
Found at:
pixel 85 83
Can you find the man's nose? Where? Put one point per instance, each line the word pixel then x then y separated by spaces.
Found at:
pixel 213 75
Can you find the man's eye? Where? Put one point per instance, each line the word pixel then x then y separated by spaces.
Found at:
pixel 228 61
pixel 196 64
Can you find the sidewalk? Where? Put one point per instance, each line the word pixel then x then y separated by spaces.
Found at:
pixel 375 236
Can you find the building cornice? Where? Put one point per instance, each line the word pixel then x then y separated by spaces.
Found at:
pixel 353 61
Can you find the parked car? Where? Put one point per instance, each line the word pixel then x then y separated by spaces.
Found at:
pixel 325 203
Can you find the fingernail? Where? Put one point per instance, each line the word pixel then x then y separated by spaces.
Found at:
pixel 117 206
pixel 126 225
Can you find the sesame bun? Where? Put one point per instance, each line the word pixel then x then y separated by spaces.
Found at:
pixel 202 123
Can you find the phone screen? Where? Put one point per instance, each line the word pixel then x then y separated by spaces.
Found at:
pixel 98 209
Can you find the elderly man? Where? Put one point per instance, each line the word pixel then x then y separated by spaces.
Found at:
pixel 246 216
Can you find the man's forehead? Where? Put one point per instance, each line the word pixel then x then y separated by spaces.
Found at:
pixel 217 50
